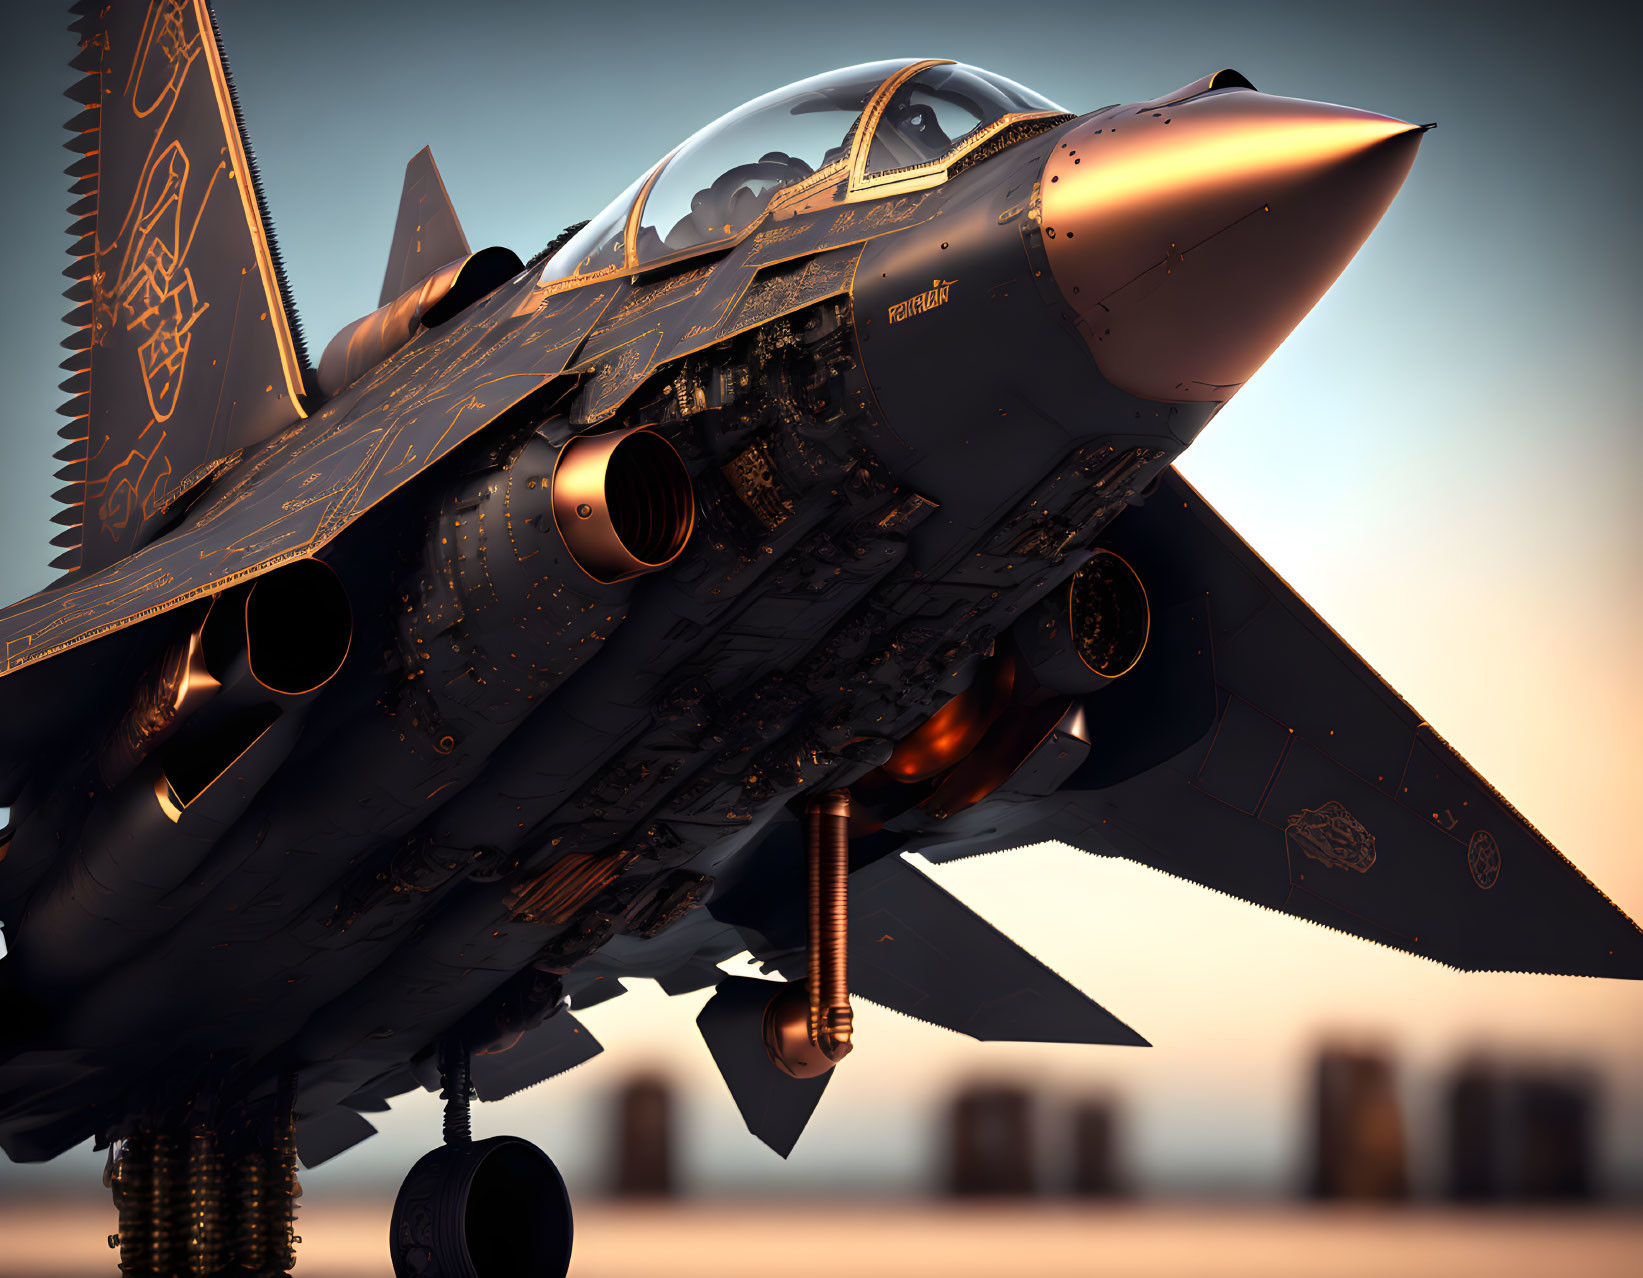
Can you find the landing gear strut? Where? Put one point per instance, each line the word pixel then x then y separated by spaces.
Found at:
pixel 196 1201
pixel 776 1042
pixel 807 1025
pixel 493 1208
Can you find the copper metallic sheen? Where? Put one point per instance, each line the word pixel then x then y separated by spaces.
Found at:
pixel 171 691
pixel 1192 238
pixel 955 729
pixel 368 341
pixel 786 1032
pixel 539 773
pixel 623 502
pixel 807 1024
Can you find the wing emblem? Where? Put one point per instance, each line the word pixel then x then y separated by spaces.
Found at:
pixel 1331 834
pixel 1483 859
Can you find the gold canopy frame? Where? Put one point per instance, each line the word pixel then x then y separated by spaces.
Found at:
pixel 849 171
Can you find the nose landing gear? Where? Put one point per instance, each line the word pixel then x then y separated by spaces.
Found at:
pixel 493 1208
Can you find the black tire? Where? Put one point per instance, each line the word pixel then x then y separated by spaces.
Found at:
pixel 492 1208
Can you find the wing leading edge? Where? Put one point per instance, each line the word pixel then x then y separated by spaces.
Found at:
pixel 1252 751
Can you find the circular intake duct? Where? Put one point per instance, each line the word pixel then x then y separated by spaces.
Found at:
pixel 623 502
pixel 1109 616
pixel 1091 631
pixel 293 626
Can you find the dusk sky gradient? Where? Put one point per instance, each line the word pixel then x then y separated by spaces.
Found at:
pixel 1444 459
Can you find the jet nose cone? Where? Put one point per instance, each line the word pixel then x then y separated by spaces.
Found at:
pixel 1190 239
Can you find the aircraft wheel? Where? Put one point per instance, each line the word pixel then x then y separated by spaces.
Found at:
pixel 492 1208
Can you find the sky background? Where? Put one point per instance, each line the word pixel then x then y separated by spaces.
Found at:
pixel 1444 459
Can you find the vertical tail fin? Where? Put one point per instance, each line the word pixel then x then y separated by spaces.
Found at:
pixel 427 233
pixel 185 346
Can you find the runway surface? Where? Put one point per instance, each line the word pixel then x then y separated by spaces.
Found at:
pixel 39 1239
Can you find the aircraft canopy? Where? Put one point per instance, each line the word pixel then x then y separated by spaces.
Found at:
pixel 718 182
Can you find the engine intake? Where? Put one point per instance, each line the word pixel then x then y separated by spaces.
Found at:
pixel 293 626
pixel 443 294
pixel 1094 630
pixel 623 502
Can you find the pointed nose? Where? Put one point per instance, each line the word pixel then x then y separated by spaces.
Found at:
pixel 1191 238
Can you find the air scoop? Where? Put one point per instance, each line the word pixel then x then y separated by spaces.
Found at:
pixel 1191 234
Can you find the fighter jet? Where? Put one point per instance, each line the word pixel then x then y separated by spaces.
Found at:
pixel 617 612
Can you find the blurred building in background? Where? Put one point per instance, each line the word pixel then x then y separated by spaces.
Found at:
pixel 1552 1120
pixel 1358 1144
pixel 991 1149
pixel 644 1166
pixel 1520 1134
pixel 992 1144
pixel 1505 1132
pixel 1472 1130
pixel 1097 1156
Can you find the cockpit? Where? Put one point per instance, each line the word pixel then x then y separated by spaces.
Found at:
pixel 858 132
